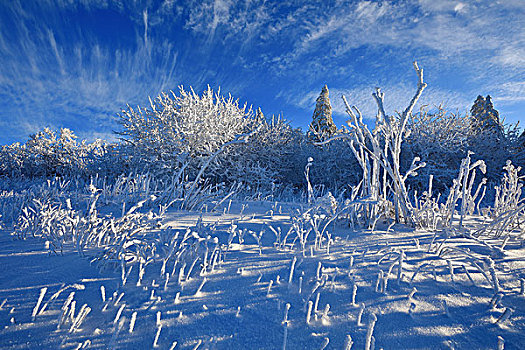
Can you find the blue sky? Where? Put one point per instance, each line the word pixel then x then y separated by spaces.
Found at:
pixel 76 63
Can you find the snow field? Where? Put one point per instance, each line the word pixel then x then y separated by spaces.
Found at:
pixel 246 301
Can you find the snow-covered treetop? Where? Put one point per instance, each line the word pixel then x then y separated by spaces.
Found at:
pixel 322 125
pixel 484 116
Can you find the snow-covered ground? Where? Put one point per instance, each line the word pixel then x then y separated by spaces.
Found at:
pixel 269 297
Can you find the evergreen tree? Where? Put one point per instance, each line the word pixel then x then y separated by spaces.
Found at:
pixel 322 125
pixel 484 117
pixel 488 140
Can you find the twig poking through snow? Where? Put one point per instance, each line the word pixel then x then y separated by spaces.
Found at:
pixel 119 298
pixel 348 342
pixel 119 312
pixel 269 288
pixel 505 315
pixel 167 281
pixel 285 335
pixel 65 309
pixel 37 306
pixel 319 271
pixel 354 293
pixel 292 267
pixel 360 314
pixel 325 343
pixel 370 331
pixel 82 313
pixel 132 322
pixel 286 309
pixel 324 317
pixel 451 270
pixel 495 300
pixel 198 292
pixel 157 335
pixel 412 293
pixel 501 343
pixel 384 284
pixel 309 312
pixel 379 281
pixel 316 304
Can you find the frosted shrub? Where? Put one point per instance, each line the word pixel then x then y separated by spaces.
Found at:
pixel 204 140
pixel 184 127
pixel 269 158
pixel 509 192
pixel 508 214
pixel 494 148
pixel 315 221
pixel 49 153
pixel 440 139
pixel 379 155
pixel 463 190
pixel 335 168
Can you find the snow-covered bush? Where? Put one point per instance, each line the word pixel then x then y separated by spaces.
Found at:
pixel 267 160
pixel 183 129
pixel 335 168
pixel 49 154
pixel 18 193
pixel 137 237
pixel 443 139
pixel 494 149
pixel 440 139
pixel 508 213
pixel 509 194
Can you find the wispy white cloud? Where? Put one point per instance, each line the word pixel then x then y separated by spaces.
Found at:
pixel 78 81
pixel 51 69
pixel 510 92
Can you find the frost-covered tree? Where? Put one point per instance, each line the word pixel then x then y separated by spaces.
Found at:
pixel 484 117
pixel 379 155
pixel 54 154
pixel 49 153
pixel 519 150
pixel 488 139
pixel 322 125
pixel 183 130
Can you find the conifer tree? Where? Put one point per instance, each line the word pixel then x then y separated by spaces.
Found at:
pixel 484 117
pixel 488 140
pixel 322 125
